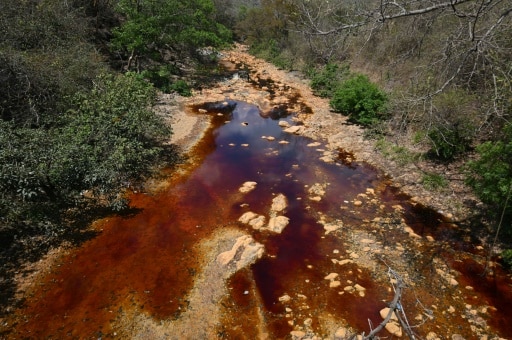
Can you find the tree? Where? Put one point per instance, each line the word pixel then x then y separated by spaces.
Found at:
pixel 463 44
pixel 152 26
pixel 106 141
pixel 491 174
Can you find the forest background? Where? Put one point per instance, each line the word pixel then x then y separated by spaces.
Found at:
pixel 431 81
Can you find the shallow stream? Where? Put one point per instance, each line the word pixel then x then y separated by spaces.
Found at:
pixel 148 261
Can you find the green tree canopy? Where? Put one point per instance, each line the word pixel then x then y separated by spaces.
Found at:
pixel 158 24
pixel 491 175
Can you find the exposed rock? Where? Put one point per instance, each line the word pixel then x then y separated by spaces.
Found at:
pixel 297 335
pixel 278 223
pixel 327 159
pixel 244 252
pixel 334 284
pixel 393 328
pixel 384 313
pixel 285 298
pixel 296 129
pixel 329 228
pixel 284 124
pixel 247 187
pixel 342 262
pixel 358 203
pixel 314 144
pixel 317 189
pixel 411 232
pixel 257 222
pixel 247 217
pixel 340 333
pixel 331 276
pixel 279 203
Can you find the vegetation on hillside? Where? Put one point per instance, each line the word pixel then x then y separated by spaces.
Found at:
pixel 75 131
pixel 445 66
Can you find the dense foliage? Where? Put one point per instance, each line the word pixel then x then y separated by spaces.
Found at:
pixel 153 26
pixel 328 79
pixel 74 133
pixel 491 174
pixel 360 99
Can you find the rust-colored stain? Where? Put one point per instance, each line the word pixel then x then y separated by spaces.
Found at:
pixel 148 261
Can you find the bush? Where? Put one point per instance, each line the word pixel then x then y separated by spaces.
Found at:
pixel 453 131
pixel 360 99
pixel 491 175
pixel 447 143
pixel 326 81
pixel 182 88
pixel 507 258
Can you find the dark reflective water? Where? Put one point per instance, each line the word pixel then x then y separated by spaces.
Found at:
pixel 148 262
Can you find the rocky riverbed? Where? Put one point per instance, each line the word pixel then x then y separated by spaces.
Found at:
pixel 224 265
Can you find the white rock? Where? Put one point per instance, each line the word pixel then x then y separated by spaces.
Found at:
pixel 393 328
pixel 329 228
pixel 341 333
pixel 278 223
pixel 247 217
pixel 297 335
pixel 359 288
pixel 334 284
pixel 314 144
pixel 247 186
pixel 384 313
pixel 342 262
pixel 244 252
pixel 331 276
pixel 285 298
pixel 279 203
pixel 296 129
pixel 284 123
pixel 258 222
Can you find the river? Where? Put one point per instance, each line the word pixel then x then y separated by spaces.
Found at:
pixel 165 271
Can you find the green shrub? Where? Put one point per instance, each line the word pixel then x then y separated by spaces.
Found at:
pixel 360 99
pixel 327 80
pixel 507 257
pixel 433 181
pixel 182 88
pixel 447 143
pixel 490 175
pixel 453 131
pixel 272 52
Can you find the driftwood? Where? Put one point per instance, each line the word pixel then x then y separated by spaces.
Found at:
pixel 394 307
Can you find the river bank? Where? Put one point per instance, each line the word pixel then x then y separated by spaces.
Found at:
pixel 195 260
